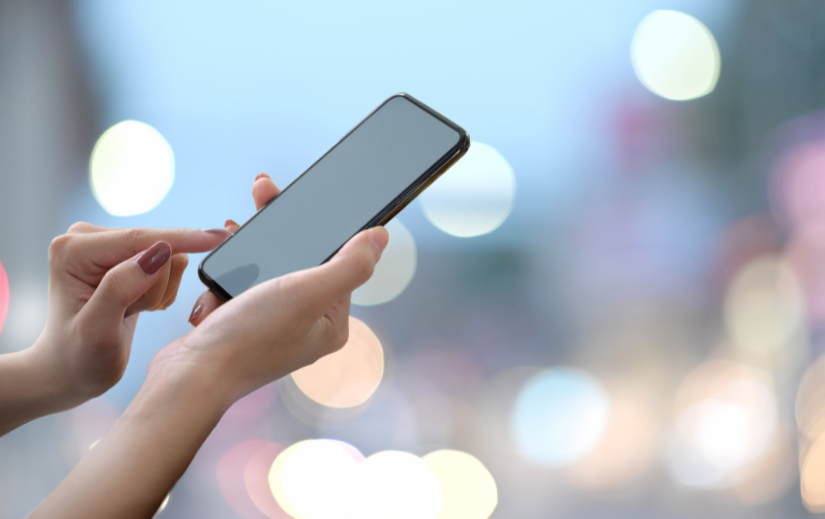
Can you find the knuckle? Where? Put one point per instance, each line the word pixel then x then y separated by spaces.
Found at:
pixel 57 248
pixel 134 234
pixel 78 228
pixel 115 287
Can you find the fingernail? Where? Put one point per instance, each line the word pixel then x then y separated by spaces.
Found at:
pixel 155 257
pixel 196 312
pixel 218 232
pixel 261 175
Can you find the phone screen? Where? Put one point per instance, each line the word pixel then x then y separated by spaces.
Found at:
pixel 360 179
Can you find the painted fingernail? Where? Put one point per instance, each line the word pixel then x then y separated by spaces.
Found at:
pixel 155 257
pixel 218 232
pixel 261 175
pixel 196 312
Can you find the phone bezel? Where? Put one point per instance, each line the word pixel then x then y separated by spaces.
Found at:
pixel 390 210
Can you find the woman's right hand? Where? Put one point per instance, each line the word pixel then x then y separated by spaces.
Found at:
pixel 276 327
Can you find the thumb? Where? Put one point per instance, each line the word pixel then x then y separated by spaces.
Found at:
pixel 126 282
pixel 321 287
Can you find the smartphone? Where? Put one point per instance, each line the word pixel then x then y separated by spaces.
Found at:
pixel 378 168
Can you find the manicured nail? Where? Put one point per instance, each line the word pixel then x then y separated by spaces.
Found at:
pixel 261 175
pixel 196 312
pixel 155 257
pixel 218 232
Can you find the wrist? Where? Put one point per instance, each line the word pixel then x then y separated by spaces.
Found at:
pixel 178 377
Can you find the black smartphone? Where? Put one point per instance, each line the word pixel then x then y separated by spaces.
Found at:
pixel 379 167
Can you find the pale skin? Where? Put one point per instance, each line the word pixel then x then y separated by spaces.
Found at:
pixel 235 348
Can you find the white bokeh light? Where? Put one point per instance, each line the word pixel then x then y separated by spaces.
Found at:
pixel 473 197
pixel 132 168
pixel 397 485
pixel 675 56
pixel 317 479
pixel 394 272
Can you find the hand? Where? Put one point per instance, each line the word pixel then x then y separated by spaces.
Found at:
pixel 100 279
pixel 278 326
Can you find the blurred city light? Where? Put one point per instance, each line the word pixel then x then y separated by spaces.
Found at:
pixel 805 255
pixel 348 377
pixel 628 448
pixel 800 185
pixel 468 489
pixel 132 168
pixel 397 485
pixel 4 296
pixel 812 478
pixel 675 55
pixel 764 309
pixel 727 417
pixel 256 479
pixel 473 197
pixel 394 272
pixel 810 402
pixel 275 481
pixel 559 416
pixel 230 472
pixel 317 480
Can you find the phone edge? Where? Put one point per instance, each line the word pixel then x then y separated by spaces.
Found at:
pixel 390 210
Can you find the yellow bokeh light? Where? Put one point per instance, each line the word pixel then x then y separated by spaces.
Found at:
pixel 348 377
pixel 764 309
pixel 812 477
pixel 394 272
pixel 675 56
pixel 468 489
pixel 275 474
pixel 396 485
pixel 473 197
pixel 132 168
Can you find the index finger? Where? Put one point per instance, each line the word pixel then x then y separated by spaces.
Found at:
pixel 109 248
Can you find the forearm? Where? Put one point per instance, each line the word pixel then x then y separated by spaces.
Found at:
pixel 28 389
pixel 130 471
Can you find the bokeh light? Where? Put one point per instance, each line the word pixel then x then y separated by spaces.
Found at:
pixel 726 418
pixel 230 472
pixel 132 168
pixel 559 416
pixel 675 56
pixel 468 489
pixel 256 479
pixel 473 197
pixel 317 480
pixel 812 477
pixel 799 186
pixel 395 270
pixel 764 309
pixel 397 485
pixel 4 296
pixel 628 448
pixel 810 402
pixel 348 377
pixel 274 479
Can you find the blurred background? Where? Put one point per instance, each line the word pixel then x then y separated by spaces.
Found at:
pixel 614 306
